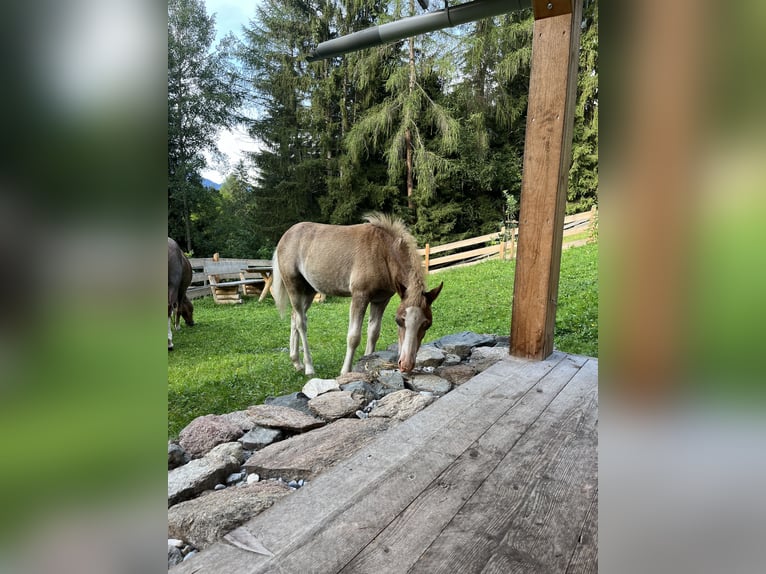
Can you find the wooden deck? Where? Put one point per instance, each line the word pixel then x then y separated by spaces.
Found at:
pixel 498 476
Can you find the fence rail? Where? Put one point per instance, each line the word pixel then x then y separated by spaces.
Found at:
pixel 502 244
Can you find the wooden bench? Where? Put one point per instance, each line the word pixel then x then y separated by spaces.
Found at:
pixel 228 281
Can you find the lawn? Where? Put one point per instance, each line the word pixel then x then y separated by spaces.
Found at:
pixel 236 355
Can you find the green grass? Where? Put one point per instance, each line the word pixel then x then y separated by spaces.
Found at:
pixel 236 355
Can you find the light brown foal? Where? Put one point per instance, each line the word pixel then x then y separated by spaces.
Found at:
pixel 368 262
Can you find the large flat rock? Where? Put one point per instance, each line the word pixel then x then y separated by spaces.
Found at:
pixel 305 456
pixel 274 416
pixel 206 519
pixel 203 473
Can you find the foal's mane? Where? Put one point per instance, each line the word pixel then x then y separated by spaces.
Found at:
pixel 407 245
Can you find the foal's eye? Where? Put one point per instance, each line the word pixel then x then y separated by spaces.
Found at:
pixel 399 321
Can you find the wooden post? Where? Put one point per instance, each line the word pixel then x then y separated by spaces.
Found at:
pixel 547 157
pixel 428 256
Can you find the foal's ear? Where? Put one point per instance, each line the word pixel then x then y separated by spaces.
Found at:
pixel 433 293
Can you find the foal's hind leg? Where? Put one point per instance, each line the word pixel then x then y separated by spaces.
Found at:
pixel 298 328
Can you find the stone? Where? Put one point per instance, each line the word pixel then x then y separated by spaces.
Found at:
pixel 353 377
pixel 361 389
pixel 251 478
pixel 235 477
pixel 259 437
pixel 176 455
pixel 297 401
pixel 429 356
pixel 388 381
pixel 315 387
pixel 204 473
pixel 206 519
pixel 377 361
pixel 174 555
pixel 483 358
pixel 461 343
pixel 451 360
pixel 400 405
pixel 457 374
pixel 430 384
pixel 306 455
pixel 240 419
pixel 333 406
pixel 205 432
pixel 274 416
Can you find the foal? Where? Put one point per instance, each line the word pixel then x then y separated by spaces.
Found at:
pixel 368 262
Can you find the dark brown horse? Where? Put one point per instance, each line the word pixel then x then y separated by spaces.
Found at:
pixel 179 278
pixel 367 262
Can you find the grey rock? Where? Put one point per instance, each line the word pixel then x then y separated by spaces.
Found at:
pixel 461 343
pixel 274 416
pixel 484 357
pixel 206 519
pixel 297 401
pixel 176 542
pixel 361 414
pixel 306 455
pixel 240 419
pixel 353 377
pixel 174 555
pixel 205 432
pixel 259 437
pixel 377 361
pixel 176 455
pixel 457 374
pixel 388 381
pixel 219 486
pixel 234 477
pixel 400 405
pixel 430 383
pixel 429 356
pixel 251 478
pixel 189 555
pixel 315 387
pixel 204 473
pixel 451 360
pixel 361 389
pixel 333 406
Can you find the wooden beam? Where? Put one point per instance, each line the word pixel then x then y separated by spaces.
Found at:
pixel 547 157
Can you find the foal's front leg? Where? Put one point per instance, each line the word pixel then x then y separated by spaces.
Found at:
pixel 355 318
pixel 373 325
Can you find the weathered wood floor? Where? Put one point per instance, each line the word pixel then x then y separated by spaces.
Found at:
pixel 498 476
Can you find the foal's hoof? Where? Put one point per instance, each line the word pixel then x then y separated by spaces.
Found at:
pixel 170 347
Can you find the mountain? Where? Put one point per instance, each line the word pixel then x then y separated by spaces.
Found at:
pixel 207 183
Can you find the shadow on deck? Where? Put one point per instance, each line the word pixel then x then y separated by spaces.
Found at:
pixel 500 475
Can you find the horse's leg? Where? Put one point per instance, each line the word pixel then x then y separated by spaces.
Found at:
pixel 355 318
pixel 302 304
pixel 294 351
pixel 374 323
pixel 170 334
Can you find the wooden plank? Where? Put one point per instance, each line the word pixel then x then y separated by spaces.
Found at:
pixel 402 541
pixel 464 243
pixel 301 518
pixel 584 558
pixel 529 512
pixel 491 250
pixel 547 157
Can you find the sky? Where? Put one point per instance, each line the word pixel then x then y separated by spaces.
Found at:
pixel 230 16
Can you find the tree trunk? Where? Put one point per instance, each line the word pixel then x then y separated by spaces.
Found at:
pixel 408 133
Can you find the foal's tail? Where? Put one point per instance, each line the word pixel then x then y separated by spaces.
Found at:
pixel 278 287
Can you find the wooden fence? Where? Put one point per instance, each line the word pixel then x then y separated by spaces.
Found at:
pixel 501 244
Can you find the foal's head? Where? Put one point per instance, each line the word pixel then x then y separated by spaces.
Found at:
pixel 413 317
